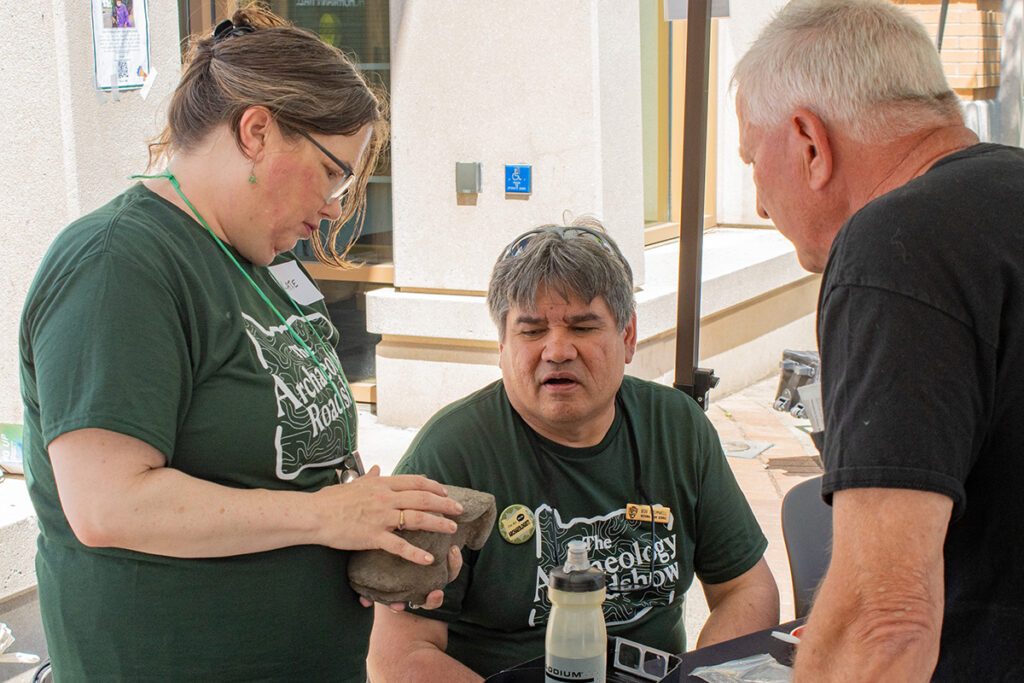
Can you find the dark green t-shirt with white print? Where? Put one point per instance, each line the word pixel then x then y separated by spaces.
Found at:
pixel 139 323
pixel 497 608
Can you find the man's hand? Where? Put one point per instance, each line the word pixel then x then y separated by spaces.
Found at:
pixel 878 615
pixel 405 647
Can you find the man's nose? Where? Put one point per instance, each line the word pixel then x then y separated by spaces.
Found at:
pixel 558 347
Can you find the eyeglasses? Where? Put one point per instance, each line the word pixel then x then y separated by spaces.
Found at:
pixel 643 661
pixel 519 244
pixel 351 467
pixel 347 174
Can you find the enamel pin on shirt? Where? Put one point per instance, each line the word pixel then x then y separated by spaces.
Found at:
pixel 635 511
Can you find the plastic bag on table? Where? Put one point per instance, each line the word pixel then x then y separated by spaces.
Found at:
pixel 757 669
pixel 6 640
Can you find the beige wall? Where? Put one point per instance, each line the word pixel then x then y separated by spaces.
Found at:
pixel 65 150
pixel 735 201
pixel 555 85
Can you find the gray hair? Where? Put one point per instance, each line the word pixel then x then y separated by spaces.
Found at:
pixel 569 265
pixel 867 66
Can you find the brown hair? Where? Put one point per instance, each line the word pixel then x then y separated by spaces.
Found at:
pixel 307 85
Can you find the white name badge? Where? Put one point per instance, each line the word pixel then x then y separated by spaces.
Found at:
pixel 294 281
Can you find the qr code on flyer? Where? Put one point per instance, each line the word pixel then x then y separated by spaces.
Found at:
pixel 122 70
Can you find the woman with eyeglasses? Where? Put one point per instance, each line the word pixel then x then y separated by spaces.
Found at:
pixel 190 437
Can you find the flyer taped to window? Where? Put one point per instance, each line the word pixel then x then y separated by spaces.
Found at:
pixel 120 44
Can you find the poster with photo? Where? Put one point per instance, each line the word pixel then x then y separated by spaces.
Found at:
pixel 120 44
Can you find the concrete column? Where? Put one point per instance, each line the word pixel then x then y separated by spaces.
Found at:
pixel 66 150
pixel 1011 81
pixel 736 203
pixel 552 85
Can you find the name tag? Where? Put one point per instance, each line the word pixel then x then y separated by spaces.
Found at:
pixel 295 283
pixel 643 512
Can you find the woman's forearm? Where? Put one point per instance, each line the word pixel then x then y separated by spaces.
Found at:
pixel 116 492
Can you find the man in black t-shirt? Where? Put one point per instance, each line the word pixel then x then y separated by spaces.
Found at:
pixel 861 158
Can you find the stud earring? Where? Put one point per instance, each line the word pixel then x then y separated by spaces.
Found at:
pixel 252 174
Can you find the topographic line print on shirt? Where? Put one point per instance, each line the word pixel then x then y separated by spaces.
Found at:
pixel 619 547
pixel 308 409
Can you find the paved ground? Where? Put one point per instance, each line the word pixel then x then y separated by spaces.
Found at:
pixel 746 419
pixel 769 451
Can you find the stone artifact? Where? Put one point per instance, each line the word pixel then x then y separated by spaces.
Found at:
pixel 382 577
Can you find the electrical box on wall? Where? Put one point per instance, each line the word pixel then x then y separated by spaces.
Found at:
pixel 468 177
pixel 517 179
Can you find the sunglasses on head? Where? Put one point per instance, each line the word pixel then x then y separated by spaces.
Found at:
pixel 347 174
pixel 226 29
pixel 519 244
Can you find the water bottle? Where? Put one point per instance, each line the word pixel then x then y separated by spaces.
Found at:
pixel 576 642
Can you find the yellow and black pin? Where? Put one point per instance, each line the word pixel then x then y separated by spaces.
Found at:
pixel 516 524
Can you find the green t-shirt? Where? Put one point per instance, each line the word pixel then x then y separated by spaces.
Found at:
pixel 497 608
pixel 137 322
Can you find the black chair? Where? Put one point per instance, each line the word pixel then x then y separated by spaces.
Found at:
pixel 807 531
pixel 44 674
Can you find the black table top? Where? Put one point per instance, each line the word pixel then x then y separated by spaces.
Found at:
pixel 751 644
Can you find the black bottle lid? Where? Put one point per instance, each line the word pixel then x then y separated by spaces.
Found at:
pixel 584 581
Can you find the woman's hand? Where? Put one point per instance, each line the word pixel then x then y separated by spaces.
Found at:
pixel 364 513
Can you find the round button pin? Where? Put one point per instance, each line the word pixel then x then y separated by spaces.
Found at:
pixel 516 524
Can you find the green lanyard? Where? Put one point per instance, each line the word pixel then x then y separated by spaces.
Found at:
pixel 330 354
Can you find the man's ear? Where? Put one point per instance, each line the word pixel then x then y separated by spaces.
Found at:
pixel 815 147
pixel 629 337
pixel 254 129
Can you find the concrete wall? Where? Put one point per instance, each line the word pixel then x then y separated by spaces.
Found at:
pixel 553 85
pixel 1010 128
pixel 65 149
pixel 736 197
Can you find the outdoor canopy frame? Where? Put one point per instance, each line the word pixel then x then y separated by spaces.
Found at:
pixel 695 381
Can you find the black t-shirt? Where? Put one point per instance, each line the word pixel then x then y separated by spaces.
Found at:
pixel 921 330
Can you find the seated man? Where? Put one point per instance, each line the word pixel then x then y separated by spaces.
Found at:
pixel 572 449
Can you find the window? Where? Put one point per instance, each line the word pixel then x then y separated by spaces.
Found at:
pixel 663 82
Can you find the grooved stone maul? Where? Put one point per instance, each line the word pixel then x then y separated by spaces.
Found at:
pixel 382 577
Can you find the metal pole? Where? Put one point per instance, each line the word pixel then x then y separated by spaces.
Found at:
pixel 696 382
pixel 942 24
